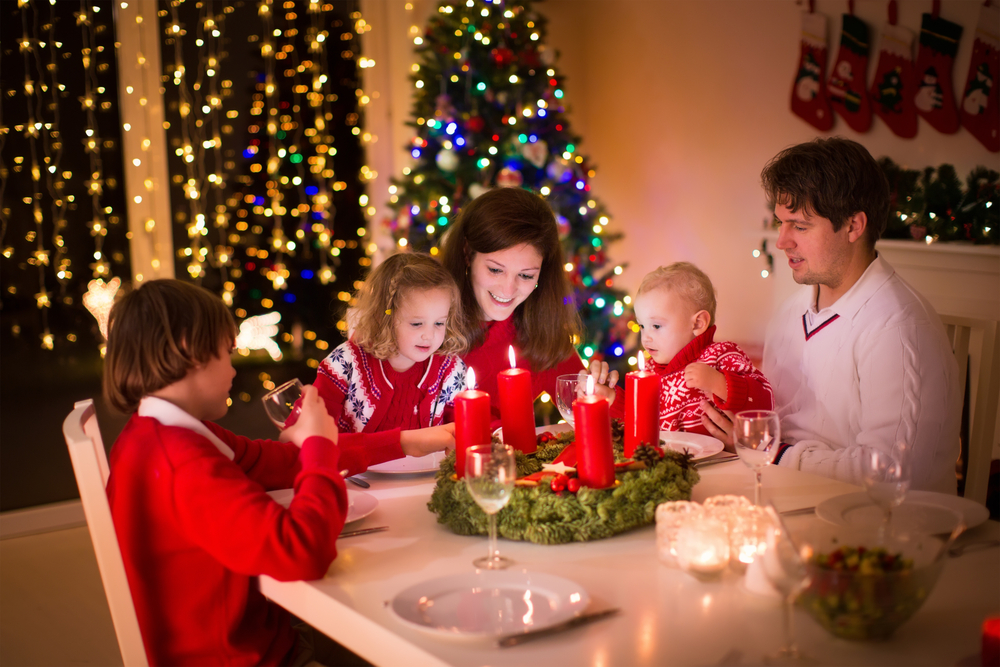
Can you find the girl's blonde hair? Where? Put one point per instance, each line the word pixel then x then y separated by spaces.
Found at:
pixel 372 319
pixel 687 281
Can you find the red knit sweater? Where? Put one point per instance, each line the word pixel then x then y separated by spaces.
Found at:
pixel 196 529
pixel 746 387
pixel 490 358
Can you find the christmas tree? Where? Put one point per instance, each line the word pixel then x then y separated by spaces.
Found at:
pixel 489 112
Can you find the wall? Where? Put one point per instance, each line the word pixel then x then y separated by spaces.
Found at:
pixel 680 104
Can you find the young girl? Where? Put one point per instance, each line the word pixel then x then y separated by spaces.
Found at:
pixel 189 498
pixel 388 374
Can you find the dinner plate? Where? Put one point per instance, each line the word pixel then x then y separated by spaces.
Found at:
pixel 360 504
pixel 921 512
pixel 410 465
pixel 489 603
pixel 700 446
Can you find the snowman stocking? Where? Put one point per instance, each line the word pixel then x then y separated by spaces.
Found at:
pixel 892 88
pixel 808 97
pixel 980 108
pixel 846 86
pixel 935 97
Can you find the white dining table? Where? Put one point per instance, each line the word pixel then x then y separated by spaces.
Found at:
pixel 667 617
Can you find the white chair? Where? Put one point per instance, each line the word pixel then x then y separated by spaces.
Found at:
pixel 90 465
pixel 977 348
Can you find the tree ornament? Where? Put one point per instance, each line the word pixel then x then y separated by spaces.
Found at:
pixel 935 98
pixel 893 86
pixel 808 94
pixel 536 152
pixel 444 107
pixel 560 170
pixel 846 86
pixel 477 189
pixel 475 124
pixel 509 178
pixel 502 56
pixel 981 99
pixel 447 160
pixel 547 55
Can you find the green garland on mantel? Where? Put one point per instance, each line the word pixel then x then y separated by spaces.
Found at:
pixel 934 203
pixel 538 514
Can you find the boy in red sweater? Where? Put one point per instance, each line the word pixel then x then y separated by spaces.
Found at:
pixel 189 499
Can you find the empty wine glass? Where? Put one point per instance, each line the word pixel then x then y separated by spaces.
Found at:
pixel 756 435
pixel 489 475
pixel 784 566
pixel 566 393
pixel 281 403
pixel 886 477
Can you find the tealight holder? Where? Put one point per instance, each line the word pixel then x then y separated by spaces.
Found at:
pixel 747 537
pixel 702 546
pixel 727 508
pixel 669 518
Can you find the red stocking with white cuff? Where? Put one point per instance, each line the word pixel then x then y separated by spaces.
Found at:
pixel 981 99
pixel 808 95
pixel 935 97
pixel 846 87
pixel 893 87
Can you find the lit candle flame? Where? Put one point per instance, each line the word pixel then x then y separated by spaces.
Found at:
pixel 470 380
pixel 590 385
pixel 510 355
pixel 642 361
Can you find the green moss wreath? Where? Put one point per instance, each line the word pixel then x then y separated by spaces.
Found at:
pixel 540 515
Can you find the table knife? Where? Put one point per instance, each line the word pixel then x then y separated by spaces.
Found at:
pixel 711 462
pixel 576 621
pixel 363 531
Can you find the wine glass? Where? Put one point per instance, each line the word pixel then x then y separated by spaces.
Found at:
pixel 281 403
pixel 756 435
pixel 566 393
pixel 784 566
pixel 489 475
pixel 886 477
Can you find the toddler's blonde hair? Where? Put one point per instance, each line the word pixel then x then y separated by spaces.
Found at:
pixel 687 281
pixel 372 319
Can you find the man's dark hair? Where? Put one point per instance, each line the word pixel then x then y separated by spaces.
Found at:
pixel 833 178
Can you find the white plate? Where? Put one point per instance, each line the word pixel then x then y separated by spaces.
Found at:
pixel 410 465
pixel 921 512
pixel 488 603
pixel 359 503
pixel 700 446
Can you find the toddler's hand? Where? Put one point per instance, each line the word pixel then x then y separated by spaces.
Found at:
pixel 424 441
pixel 313 420
pixel 704 377
pixel 605 380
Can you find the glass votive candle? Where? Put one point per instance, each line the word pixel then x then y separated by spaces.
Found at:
pixel 747 536
pixel 669 518
pixel 727 508
pixel 702 546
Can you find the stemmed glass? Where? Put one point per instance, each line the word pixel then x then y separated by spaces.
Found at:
pixel 756 434
pixel 566 393
pixel 785 567
pixel 281 403
pixel 887 478
pixel 489 475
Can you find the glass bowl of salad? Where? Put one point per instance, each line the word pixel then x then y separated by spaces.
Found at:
pixel 864 588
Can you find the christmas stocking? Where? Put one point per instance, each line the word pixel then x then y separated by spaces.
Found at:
pixel 846 86
pixel 935 97
pixel 980 107
pixel 808 97
pixel 892 89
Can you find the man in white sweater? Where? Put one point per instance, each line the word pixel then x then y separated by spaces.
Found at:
pixel 858 359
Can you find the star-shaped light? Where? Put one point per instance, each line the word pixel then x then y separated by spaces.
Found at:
pixel 258 332
pixel 98 300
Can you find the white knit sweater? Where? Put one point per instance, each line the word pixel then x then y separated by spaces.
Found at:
pixel 880 370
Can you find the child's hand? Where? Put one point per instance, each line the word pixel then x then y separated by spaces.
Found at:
pixel 424 441
pixel 313 420
pixel 604 380
pixel 704 377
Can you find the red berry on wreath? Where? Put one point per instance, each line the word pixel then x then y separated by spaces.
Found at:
pixel 559 483
pixel 573 485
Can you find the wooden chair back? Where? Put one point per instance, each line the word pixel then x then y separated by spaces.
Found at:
pixel 90 465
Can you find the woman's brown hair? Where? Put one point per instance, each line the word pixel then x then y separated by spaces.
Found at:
pixel 372 318
pixel 546 322
pixel 156 334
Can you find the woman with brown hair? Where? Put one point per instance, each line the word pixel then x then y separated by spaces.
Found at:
pixel 504 253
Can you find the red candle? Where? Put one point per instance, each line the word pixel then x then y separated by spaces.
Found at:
pixel 595 459
pixel 642 408
pixel 517 416
pixel 472 420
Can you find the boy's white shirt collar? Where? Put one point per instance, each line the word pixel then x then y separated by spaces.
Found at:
pixel 169 414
